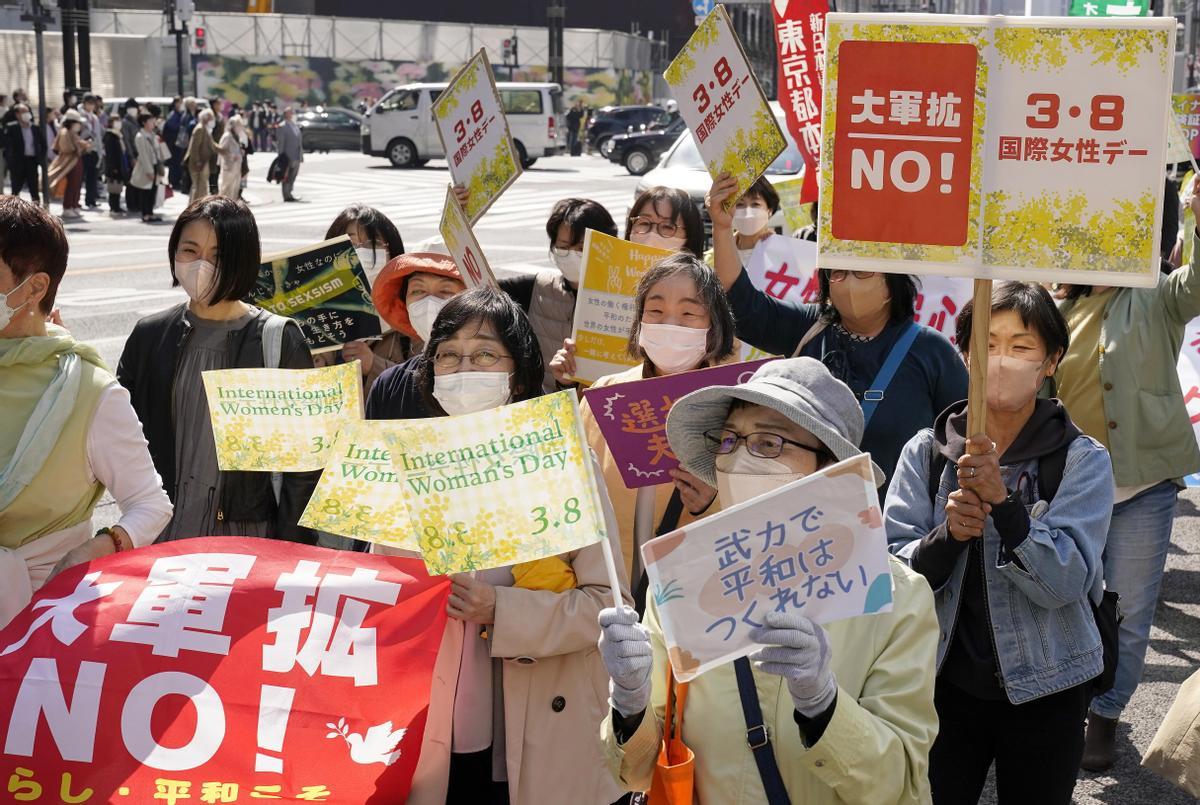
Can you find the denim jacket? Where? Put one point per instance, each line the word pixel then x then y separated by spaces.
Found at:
pixel 1045 634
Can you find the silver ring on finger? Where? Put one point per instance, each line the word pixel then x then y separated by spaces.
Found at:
pixel 972 472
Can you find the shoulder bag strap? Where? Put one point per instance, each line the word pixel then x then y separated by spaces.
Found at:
pixel 874 395
pixel 668 523
pixel 272 347
pixel 757 735
pixel 817 328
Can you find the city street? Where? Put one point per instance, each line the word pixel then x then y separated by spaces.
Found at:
pixel 118 273
pixel 118 269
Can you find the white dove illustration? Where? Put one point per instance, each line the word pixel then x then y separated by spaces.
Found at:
pixel 379 745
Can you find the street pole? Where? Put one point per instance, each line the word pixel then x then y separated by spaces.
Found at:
pixel 36 14
pixel 83 25
pixel 555 12
pixel 67 14
pixel 183 11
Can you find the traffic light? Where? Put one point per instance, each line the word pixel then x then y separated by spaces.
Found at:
pixel 199 35
pixel 507 49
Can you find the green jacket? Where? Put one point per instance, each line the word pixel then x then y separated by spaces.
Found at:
pixel 875 749
pixel 1149 432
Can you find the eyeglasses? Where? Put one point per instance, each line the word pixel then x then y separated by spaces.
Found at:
pixel 840 274
pixel 483 358
pixel 643 225
pixel 723 441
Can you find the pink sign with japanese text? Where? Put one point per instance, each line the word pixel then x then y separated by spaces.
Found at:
pixel 633 418
pixel 221 669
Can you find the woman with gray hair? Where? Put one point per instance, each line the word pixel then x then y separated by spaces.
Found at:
pixel 845 711
pixel 201 151
pixel 230 154
pixel 681 322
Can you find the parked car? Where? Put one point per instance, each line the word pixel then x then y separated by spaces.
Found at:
pixel 401 126
pixel 639 151
pixel 610 120
pixel 326 128
pixel 683 167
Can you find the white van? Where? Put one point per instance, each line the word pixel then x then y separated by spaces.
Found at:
pixel 401 128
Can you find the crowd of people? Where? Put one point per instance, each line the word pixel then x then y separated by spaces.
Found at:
pixel 140 155
pixel 1007 545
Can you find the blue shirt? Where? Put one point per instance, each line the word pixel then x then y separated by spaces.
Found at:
pixel 931 378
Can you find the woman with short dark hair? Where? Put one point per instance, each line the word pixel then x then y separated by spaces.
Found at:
pixel 667 218
pixel 903 373
pixel 1008 527
pixel 67 433
pixel 214 254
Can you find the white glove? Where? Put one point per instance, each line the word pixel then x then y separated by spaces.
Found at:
pixel 625 649
pixel 798 650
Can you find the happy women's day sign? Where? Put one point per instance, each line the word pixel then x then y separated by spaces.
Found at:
pixel 816 546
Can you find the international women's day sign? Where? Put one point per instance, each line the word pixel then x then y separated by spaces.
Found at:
pixel 498 487
pixel 816 546
pixel 280 420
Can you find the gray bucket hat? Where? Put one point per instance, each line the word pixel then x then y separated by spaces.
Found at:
pixel 801 389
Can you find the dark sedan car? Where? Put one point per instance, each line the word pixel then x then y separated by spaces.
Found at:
pixel 328 128
pixel 639 151
pixel 611 120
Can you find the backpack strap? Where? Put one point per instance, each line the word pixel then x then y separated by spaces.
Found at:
pixel 1050 471
pixel 272 347
pixel 937 468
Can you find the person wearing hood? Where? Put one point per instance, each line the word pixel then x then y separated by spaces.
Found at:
pixel 376 241
pixel 68 432
pixel 862 328
pixel 681 322
pixel 513 703
pixel 409 293
pixel 213 253
pixel 1009 527
pixel 847 707
pixel 67 168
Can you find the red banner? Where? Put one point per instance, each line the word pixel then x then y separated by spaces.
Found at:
pixel 221 670
pixel 800 42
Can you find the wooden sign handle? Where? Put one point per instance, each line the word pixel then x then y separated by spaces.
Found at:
pixel 981 323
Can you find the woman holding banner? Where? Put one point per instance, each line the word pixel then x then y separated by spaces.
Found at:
pixel 1120 383
pixel 903 374
pixel 214 254
pixel 68 431
pixel 1008 527
pixel 681 322
pixel 847 708
pixel 517 688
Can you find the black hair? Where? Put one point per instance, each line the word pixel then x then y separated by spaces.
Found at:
pixel 1036 308
pixel 1077 291
pixel 142 118
pixel 766 191
pixel 681 206
pixel 129 103
pixel 491 305
pixel 720 315
pixel 32 241
pixel 902 289
pixel 373 223
pixel 580 215
pixel 238 251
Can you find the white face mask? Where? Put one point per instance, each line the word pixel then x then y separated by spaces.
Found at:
pixel 652 238
pixel 750 220
pixel 749 476
pixel 26 117
pixel 211 126
pixel 373 260
pixel 1012 382
pixel 672 348
pixel 6 312
pixel 471 392
pixel 423 312
pixel 196 277
pixel 570 263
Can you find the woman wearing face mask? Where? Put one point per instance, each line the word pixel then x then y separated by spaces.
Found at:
pixel 146 172
pixel 410 292
pixel 848 708
pixel 1008 526
pixel 201 152
pixel 666 218
pixel 67 167
pixel 514 700
pixel 214 255
pixel 230 154
pixel 116 165
pixel 682 322
pixel 1119 381
pixel 549 296
pixel 904 374
pixel 376 241
pixel 751 214
pixel 68 432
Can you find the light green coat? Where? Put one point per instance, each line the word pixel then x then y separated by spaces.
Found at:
pixel 875 748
